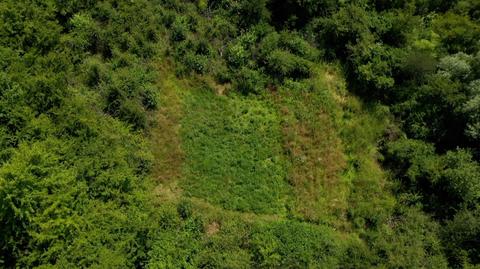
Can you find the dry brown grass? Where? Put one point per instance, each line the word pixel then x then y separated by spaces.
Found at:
pixel 165 136
pixel 212 228
pixel 317 157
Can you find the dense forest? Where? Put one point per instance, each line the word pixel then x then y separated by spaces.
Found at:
pixel 240 134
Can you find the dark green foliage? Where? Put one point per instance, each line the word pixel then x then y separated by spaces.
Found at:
pixel 184 209
pixel 297 45
pixel 286 55
pixel 249 12
pixel 295 13
pixel 413 160
pixel 448 182
pixel 440 121
pixel 458 33
pixel 249 81
pixel 460 237
pixel 30 26
pixel 374 65
pixel 179 29
pixel 470 8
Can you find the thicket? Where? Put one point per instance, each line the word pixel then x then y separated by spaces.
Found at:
pixel 76 82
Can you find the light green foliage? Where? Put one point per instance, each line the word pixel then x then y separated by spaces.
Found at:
pixel 457 66
pixel 416 157
pixel 236 54
pixel 295 245
pixel 462 177
pixel 472 110
pixel 84 32
pixel 202 4
pixel 72 177
pixel 427 41
pixel 38 198
pixel 179 29
pixel 374 65
pixel 294 43
pixel 412 242
pixel 233 153
pixel 286 55
pixel 52 189
pixel 284 64
pixel 370 204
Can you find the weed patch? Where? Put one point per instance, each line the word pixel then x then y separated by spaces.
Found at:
pixel 233 153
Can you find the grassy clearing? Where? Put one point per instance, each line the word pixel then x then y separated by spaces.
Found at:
pixel 233 153
pixel 266 181
pixel 306 151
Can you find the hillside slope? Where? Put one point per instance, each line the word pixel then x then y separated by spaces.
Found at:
pixel 239 134
pixel 286 178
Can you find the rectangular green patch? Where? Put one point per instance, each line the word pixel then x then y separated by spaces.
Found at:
pixel 233 149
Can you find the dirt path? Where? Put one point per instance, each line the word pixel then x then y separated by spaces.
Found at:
pixel 165 137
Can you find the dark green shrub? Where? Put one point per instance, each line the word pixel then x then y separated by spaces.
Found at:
pixel 150 97
pixel 460 236
pixel 46 92
pixel 460 178
pixel 409 240
pixel 413 161
pixel 249 81
pixel 457 32
pixel 472 111
pixel 95 72
pixel 268 44
pixel 195 62
pixel 179 28
pixel 250 12
pixel 132 113
pixel 184 209
pixel 295 44
pixel 221 73
pixel 236 55
pixel 282 64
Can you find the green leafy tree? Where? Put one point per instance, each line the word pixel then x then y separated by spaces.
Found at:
pixel 460 236
pixel 458 33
